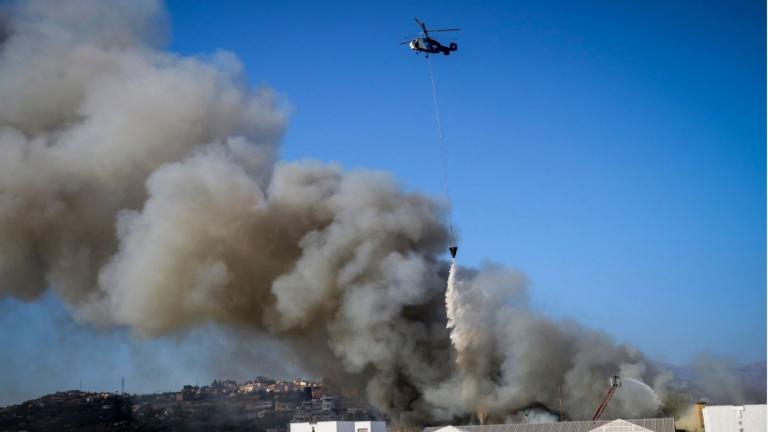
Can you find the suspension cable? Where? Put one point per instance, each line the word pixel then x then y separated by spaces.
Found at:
pixel 441 139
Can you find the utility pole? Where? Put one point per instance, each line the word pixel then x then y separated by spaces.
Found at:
pixel 122 386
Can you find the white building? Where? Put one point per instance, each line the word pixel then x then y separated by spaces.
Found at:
pixel 340 426
pixel 618 425
pixel 735 418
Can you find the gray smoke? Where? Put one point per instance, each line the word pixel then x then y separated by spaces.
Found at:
pixel 508 358
pixel 142 188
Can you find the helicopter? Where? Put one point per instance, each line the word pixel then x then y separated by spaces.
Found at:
pixel 424 43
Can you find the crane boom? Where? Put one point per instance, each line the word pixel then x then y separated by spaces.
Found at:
pixel 615 383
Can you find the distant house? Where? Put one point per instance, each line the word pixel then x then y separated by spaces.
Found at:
pixel 735 418
pixel 328 404
pixel 340 426
pixel 316 405
pixel 284 406
pixel 265 405
pixel 619 425
pixel 249 387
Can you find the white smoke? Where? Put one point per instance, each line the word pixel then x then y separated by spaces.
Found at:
pixel 535 416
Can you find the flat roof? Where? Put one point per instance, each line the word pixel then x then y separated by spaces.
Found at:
pixel 666 424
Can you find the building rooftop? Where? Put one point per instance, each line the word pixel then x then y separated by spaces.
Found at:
pixel 635 425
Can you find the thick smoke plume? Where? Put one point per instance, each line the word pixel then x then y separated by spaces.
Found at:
pixel 508 360
pixel 142 188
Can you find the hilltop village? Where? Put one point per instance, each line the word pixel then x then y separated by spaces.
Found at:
pixel 263 404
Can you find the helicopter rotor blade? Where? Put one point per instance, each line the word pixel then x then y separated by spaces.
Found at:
pixel 444 30
pixel 422 25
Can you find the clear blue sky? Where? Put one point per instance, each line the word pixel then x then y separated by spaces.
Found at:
pixel 614 151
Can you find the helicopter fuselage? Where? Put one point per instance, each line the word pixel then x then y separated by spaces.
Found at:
pixel 431 46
